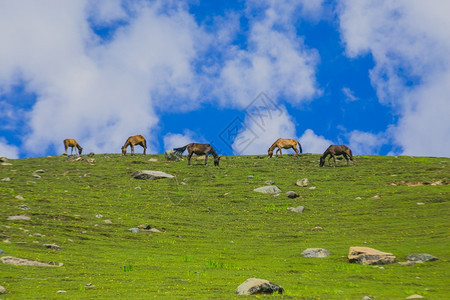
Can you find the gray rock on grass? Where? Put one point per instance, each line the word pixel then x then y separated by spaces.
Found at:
pixel 269 189
pixel 172 155
pixel 316 252
pixel 254 286
pixel 302 182
pixel 299 209
pixel 369 256
pixel 150 175
pixel 292 194
pixel 421 257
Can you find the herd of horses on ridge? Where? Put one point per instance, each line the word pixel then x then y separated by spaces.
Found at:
pixel 206 149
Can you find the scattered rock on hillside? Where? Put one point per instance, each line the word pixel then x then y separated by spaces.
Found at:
pixel 270 182
pixel 376 197
pixel 153 160
pixel 316 252
pixel 2 290
pixel 52 246
pixel 369 256
pixel 6 179
pixel 149 174
pixel 3 159
pixel 421 257
pixel 91 154
pixel 292 194
pixel 21 217
pixel 302 182
pixel 23 207
pixel 39 171
pixel 10 260
pixel 254 286
pixel 2 252
pixel 19 197
pixel 134 230
pixel 172 155
pixel 298 209
pixel 415 296
pixel 250 177
pixel 269 189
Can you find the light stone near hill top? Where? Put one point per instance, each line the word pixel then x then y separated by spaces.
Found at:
pixel 254 286
pixel 369 256
pixel 152 175
pixel 269 189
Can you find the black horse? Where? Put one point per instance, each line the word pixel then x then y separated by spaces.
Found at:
pixel 334 150
pixel 199 149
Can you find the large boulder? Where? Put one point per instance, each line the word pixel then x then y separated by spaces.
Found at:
pixel 258 286
pixel 269 189
pixel 369 256
pixel 149 174
pixel 172 155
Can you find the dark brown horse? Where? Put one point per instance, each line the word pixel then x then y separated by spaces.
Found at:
pixel 334 150
pixel 199 149
pixel 284 144
pixel 72 143
pixel 132 141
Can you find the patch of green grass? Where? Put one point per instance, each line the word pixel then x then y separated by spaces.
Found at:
pixel 217 232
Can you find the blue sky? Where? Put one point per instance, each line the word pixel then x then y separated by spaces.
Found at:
pixel 374 75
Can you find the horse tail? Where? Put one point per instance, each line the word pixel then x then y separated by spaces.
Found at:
pixel 180 150
pixel 300 146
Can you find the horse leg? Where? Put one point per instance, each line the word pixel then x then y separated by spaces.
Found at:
pixel 206 159
pixel 334 158
pixel 132 149
pixel 346 157
pixel 281 154
pixel 189 158
pixel 296 151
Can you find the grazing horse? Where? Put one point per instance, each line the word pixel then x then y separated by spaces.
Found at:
pixel 72 143
pixel 132 141
pixel 199 149
pixel 284 144
pixel 334 150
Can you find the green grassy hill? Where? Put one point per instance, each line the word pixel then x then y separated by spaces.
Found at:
pixel 217 232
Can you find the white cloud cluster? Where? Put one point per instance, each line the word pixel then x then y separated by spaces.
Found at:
pixel 275 61
pixel 94 91
pixel 409 42
pixel 313 143
pixel 8 151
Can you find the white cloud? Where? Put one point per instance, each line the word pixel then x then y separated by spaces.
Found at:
pixel 8 151
pixel 409 42
pixel 275 61
pixel 349 94
pixel 365 143
pixel 175 140
pixel 312 143
pixel 97 93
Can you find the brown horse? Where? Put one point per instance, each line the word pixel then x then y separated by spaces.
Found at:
pixel 132 141
pixel 72 143
pixel 284 144
pixel 334 150
pixel 199 149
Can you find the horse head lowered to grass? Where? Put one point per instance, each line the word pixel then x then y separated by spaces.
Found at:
pixel 72 143
pixel 132 141
pixel 284 144
pixel 334 150
pixel 199 149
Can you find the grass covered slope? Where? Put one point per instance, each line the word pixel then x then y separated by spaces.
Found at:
pixel 217 231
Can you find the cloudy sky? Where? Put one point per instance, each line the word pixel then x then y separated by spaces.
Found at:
pixel 372 74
